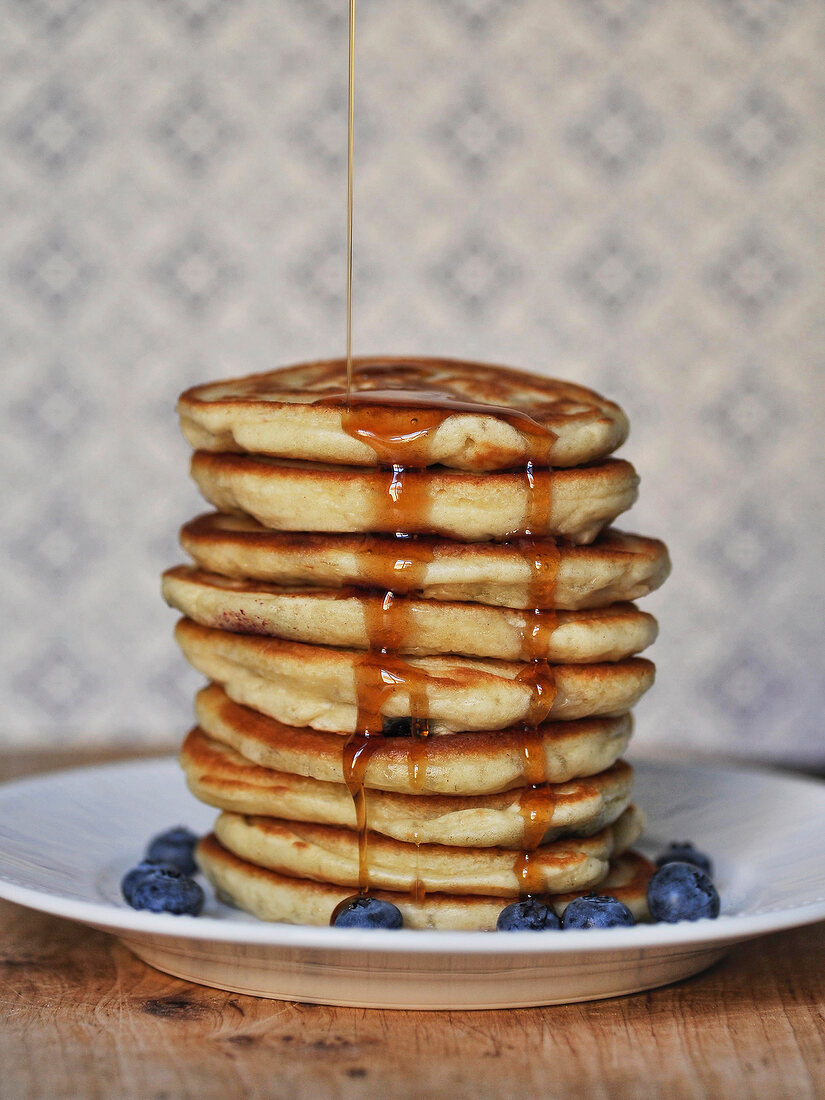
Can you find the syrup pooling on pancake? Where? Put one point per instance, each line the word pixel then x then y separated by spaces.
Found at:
pixel 401 408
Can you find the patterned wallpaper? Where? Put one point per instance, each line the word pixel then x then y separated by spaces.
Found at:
pixel 626 192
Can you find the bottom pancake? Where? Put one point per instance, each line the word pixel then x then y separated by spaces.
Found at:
pixel 326 853
pixel 271 896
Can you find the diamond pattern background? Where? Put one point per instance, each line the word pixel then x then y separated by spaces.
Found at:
pixel 623 192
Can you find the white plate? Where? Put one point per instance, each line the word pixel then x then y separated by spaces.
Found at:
pixel 66 839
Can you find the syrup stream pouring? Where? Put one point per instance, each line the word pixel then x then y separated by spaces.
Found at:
pixel 350 161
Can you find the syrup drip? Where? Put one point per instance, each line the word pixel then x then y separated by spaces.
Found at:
pixel 417 774
pixel 541 555
pixel 357 753
pixel 542 558
pixel 407 558
pixel 379 674
pixel 418 892
pixel 417 759
pixel 536 807
pixel 396 562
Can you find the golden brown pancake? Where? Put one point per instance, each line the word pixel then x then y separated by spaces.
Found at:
pixel 317 686
pixel 617 567
pixel 271 896
pixel 221 777
pixel 358 619
pixel 309 496
pixel 327 853
pixel 416 412
pixel 462 764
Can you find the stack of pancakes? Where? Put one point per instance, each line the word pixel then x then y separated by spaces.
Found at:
pixel 415 620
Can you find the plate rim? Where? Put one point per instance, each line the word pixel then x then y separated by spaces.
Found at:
pixel 123 921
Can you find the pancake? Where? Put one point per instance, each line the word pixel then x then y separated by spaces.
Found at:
pixel 615 568
pixel 221 777
pixel 271 896
pixel 421 412
pixel 357 619
pixel 327 853
pixel 311 496
pixel 318 686
pixel 463 764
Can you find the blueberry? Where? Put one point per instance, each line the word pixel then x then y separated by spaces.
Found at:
pixel 138 873
pixel 597 912
pixel 682 851
pixel 175 846
pixel 167 891
pixel 680 891
pixel 365 912
pixel 396 727
pixel 527 915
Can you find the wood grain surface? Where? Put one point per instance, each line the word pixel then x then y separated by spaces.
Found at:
pixel 81 1017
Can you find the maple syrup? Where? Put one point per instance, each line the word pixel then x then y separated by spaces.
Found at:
pixel 537 802
pixel 406 558
pixel 358 750
pixel 379 674
pixel 350 180
pixel 398 424
pixel 381 671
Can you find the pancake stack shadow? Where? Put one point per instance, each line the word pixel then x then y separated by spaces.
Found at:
pixel 417 628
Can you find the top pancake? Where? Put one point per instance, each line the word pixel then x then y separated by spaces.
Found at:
pixel 414 412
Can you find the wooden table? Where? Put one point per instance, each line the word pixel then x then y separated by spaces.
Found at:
pixel 81 1017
